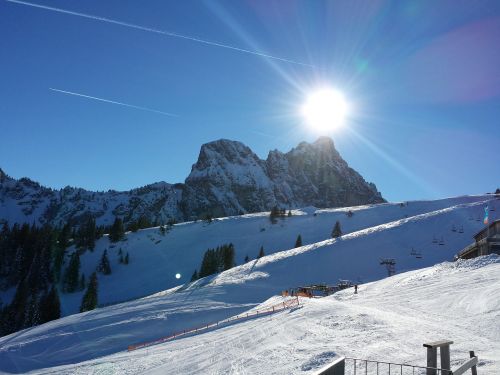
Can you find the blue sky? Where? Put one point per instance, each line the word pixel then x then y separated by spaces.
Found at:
pixel 423 78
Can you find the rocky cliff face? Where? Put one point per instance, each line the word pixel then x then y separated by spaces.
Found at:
pixel 227 179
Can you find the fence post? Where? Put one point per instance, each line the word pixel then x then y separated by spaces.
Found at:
pixel 445 357
pixel 444 348
pixel 431 360
pixel 474 368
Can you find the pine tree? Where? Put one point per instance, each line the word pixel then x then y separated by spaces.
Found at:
pixel 50 306
pixel 162 230
pixel 289 213
pixel 104 266
pixel 89 300
pixel 228 255
pixel 195 276
pixel 336 232
pixel 261 252
pixel 275 213
pixel 117 231
pixel 71 276
pixel 126 260
pixel 208 264
pixel 247 258
pixel 64 236
pixel 298 242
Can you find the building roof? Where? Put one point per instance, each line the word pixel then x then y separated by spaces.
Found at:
pixel 487 227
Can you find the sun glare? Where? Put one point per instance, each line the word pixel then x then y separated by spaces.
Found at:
pixel 325 110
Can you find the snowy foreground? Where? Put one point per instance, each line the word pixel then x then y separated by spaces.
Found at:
pixel 388 320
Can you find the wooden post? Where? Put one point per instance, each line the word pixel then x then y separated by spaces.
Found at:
pixel 444 348
pixel 431 360
pixel 474 368
pixel 445 358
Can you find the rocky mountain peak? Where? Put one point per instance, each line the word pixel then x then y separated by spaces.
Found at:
pixel 227 179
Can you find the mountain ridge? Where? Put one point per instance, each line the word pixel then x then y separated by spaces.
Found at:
pixel 228 178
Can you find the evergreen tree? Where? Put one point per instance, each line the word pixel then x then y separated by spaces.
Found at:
pixel 86 235
pixel 336 232
pixel 50 306
pixel 298 242
pixel 228 256
pixel 162 230
pixel 58 260
pixel 261 252
pixel 71 276
pixel 289 213
pixel 117 231
pixel 247 258
pixel 275 213
pixel 104 266
pixel 64 236
pixel 195 276
pixel 208 264
pixel 89 300
pixel 126 260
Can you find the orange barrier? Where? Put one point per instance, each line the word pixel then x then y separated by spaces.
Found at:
pixel 275 308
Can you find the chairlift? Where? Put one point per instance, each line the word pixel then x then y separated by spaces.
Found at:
pixel 453 228
pixel 434 239
pixel 418 255
pixel 441 242
pixel 461 230
pixel 492 208
pixel 471 218
pixel 413 252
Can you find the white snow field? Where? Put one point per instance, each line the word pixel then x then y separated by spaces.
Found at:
pixel 388 320
pixel 156 259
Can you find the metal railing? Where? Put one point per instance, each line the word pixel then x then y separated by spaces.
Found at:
pixel 358 366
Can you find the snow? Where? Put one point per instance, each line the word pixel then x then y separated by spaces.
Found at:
pixel 388 320
pixel 153 264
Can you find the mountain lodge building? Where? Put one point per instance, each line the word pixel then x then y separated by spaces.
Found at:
pixel 487 241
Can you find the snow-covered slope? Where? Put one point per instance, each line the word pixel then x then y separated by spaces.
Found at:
pixel 156 259
pixel 376 231
pixel 388 320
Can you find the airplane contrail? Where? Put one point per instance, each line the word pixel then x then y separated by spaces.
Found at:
pixel 113 102
pixel 157 31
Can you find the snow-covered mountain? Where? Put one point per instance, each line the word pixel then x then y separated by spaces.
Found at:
pixel 230 179
pixel 388 320
pixel 373 231
pixel 227 179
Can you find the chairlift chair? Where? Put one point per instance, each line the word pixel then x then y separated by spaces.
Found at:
pixel 461 230
pixel 441 242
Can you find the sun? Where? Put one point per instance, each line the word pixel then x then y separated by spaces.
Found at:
pixel 325 110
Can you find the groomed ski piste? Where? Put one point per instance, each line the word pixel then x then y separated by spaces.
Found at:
pixel 388 320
